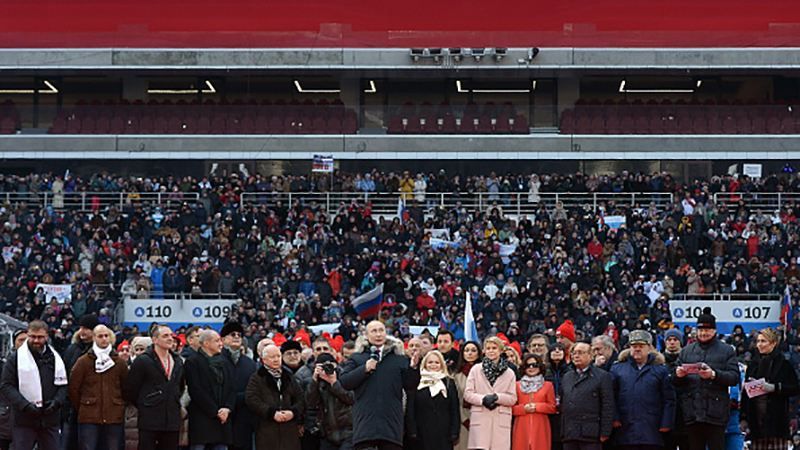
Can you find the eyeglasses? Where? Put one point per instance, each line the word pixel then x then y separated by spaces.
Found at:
pixel 530 365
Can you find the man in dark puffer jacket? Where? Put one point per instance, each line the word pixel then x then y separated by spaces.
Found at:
pixel 333 405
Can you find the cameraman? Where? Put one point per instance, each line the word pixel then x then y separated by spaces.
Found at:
pixel 333 404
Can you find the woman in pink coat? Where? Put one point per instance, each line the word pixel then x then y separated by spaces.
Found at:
pixel 492 391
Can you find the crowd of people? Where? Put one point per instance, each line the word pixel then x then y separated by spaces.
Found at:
pixel 295 266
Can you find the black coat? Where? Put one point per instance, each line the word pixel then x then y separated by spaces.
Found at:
pixel 157 399
pixel 707 401
pixel 264 399
pixel 587 405
pixel 434 421
pixel 333 406
pixel 378 411
pixel 6 417
pixel 768 415
pixel 24 415
pixel 207 397
pixel 242 416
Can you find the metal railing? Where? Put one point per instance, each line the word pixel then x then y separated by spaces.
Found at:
pixel 726 297
pixel 89 201
pixel 765 201
pixel 386 203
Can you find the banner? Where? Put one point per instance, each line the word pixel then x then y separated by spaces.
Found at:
pixel 751 315
pixel 322 163
pixel 177 313
pixel 613 222
pixel 61 292
pixel 505 251
pixel 441 243
pixel 439 233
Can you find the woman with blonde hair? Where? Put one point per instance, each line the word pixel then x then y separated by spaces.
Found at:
pixel 768 414
pixel 433 412
pixel 492 391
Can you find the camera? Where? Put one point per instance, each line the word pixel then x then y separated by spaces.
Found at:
pixel 328 367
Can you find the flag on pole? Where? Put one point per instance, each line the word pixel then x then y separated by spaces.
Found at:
pixel 470 330
pixel 369 304
pixel 786 311
pixel 401 208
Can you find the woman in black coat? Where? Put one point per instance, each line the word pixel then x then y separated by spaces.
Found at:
pixel 768 415
pixel 433 412
pixel 558 367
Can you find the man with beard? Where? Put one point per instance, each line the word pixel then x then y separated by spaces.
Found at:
pixel 242 368
pixel 34 382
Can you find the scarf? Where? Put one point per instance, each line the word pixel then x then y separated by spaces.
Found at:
pixel 531 384
pixel 104 360
pixel 30 382
pixel 235 354
pixel 493 370
pixel 467 367
pixel 433 381
pixel 276 373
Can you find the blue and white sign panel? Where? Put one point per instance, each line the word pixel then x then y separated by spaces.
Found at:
pixel 176 313
pixel 749 314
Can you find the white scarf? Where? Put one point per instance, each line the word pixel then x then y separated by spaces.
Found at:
pixel 103 361
pixel 433 381
pixel 30 383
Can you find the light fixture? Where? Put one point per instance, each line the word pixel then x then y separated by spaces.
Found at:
pixel 460 89
pixel 416 53
pixel 50 90
pixel 456 54
pixel 436 53
pixel 625 90
pixel 210 89
pixel 477 53
pixel 372 88
pixel 500 53
pixel 300 89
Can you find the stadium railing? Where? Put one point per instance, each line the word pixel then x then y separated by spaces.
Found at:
pixel 388 203
pixel 764 201
pixel 87 201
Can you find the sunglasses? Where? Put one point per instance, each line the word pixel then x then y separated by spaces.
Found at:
pixel 529 365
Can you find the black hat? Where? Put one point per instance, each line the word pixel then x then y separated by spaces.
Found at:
pixel 231 327
pixel 18 332
pixel 291 345
pixel 324 357
pixel 89 321
pixel 707 320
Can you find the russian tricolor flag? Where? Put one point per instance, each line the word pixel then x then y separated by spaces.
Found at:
pixel 786 310
pixel 369 304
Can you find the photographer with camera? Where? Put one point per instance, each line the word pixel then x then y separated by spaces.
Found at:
pixel 333 404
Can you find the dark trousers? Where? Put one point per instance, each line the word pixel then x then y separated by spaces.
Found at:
pixel 100 437
pixel 309 442
pixel 69 431
pixel 578 445
pixel 346 445
pixel 378 445
pixel 676 440
pixel 5 444
pixel 158 440
pixel 26 437
pixel 639 447
pixel 704 436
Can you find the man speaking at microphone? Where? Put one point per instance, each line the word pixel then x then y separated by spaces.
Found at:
pixel 378 372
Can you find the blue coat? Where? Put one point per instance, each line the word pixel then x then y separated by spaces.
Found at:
pixel 645 400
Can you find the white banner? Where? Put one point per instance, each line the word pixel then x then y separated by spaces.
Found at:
pixel 61 292
pixel 750 314
pixel 439 233
pixel 177 312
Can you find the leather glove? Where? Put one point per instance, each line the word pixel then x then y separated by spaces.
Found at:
pixel 768 387
pixel 50 407
pixel 488 401
pixel 30 408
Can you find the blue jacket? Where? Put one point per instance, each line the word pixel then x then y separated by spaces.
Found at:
pixel 645 400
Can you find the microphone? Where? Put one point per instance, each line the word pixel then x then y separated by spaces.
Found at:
pixel 373 353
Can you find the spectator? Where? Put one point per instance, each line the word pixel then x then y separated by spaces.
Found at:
pixel 444 343
pixel 81 343
pixel 433 408
pixel 644 396
pixel 767 416
pixel 34 382
pixel 310 439
pixel 587 403
pixel 703 396
pixel 558 367
pixel 192 342
pixel 333 404
pixel 6 418
pixel 155 383
pixel 291 353
pixel 469 355
pixel 677 438
pixel 491 390
pixel 95 389
pixel 213 395
pixel 242 369
pixel 536 400
pixel 537 345
pixel 604 352
pixel 275 397
pixel 377 372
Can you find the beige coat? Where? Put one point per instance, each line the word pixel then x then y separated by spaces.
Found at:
pixel 463 438
pixel 490 430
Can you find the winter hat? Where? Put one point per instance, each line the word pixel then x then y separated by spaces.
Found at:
pixel 674 332
pixel 291 345
pixel 231 327
pixel 707 320
pixel 89 321
pixel 640 337
pixel 566 330
pixel 123 344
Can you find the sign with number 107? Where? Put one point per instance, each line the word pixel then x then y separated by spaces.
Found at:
pixel 749 314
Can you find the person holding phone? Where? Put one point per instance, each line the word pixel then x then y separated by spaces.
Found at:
pixel 704 371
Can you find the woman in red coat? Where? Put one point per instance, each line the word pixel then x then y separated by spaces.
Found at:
pixel 536 399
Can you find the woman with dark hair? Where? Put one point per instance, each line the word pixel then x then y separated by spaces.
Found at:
pixel 469 356
pixel 768 414
pixel 536 400
pixel 555 373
